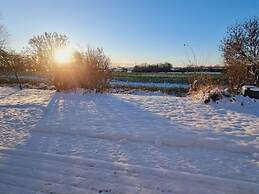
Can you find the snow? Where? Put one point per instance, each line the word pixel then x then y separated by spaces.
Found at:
pixel 255 89
pixel 124 143
pixel 5 91
pixel 250 87
pixel 19 112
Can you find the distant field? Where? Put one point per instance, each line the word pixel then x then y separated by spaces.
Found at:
pixel 174 77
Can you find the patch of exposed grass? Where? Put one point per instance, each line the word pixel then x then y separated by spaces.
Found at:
pixel 173 77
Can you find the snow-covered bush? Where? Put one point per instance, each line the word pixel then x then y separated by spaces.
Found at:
pixel 211 93
pixel 205 89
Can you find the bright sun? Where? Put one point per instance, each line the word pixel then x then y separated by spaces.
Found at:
pixel 63 56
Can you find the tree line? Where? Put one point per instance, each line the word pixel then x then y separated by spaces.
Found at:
pixel 161 67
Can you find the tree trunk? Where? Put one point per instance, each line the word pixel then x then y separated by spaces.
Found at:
pixel 18 80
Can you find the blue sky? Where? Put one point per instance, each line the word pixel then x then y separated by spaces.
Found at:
pixel 131 30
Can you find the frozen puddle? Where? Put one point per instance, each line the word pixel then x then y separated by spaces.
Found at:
pixel 102 143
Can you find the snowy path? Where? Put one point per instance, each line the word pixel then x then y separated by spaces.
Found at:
pixel 73 143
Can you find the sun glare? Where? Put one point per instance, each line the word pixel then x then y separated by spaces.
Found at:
pixel 63 56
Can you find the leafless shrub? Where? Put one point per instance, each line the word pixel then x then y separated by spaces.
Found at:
pixel 90 70
pixel 240 50
pixel 198 80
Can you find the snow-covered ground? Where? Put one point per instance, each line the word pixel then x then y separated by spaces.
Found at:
pixel 124 143
pixel 5 91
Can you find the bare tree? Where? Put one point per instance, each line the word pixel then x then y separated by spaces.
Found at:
pixel 12 62
pixel 43 47
pixel 241 53
pixel 3 41
pixel 3 51
pixel 3 37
